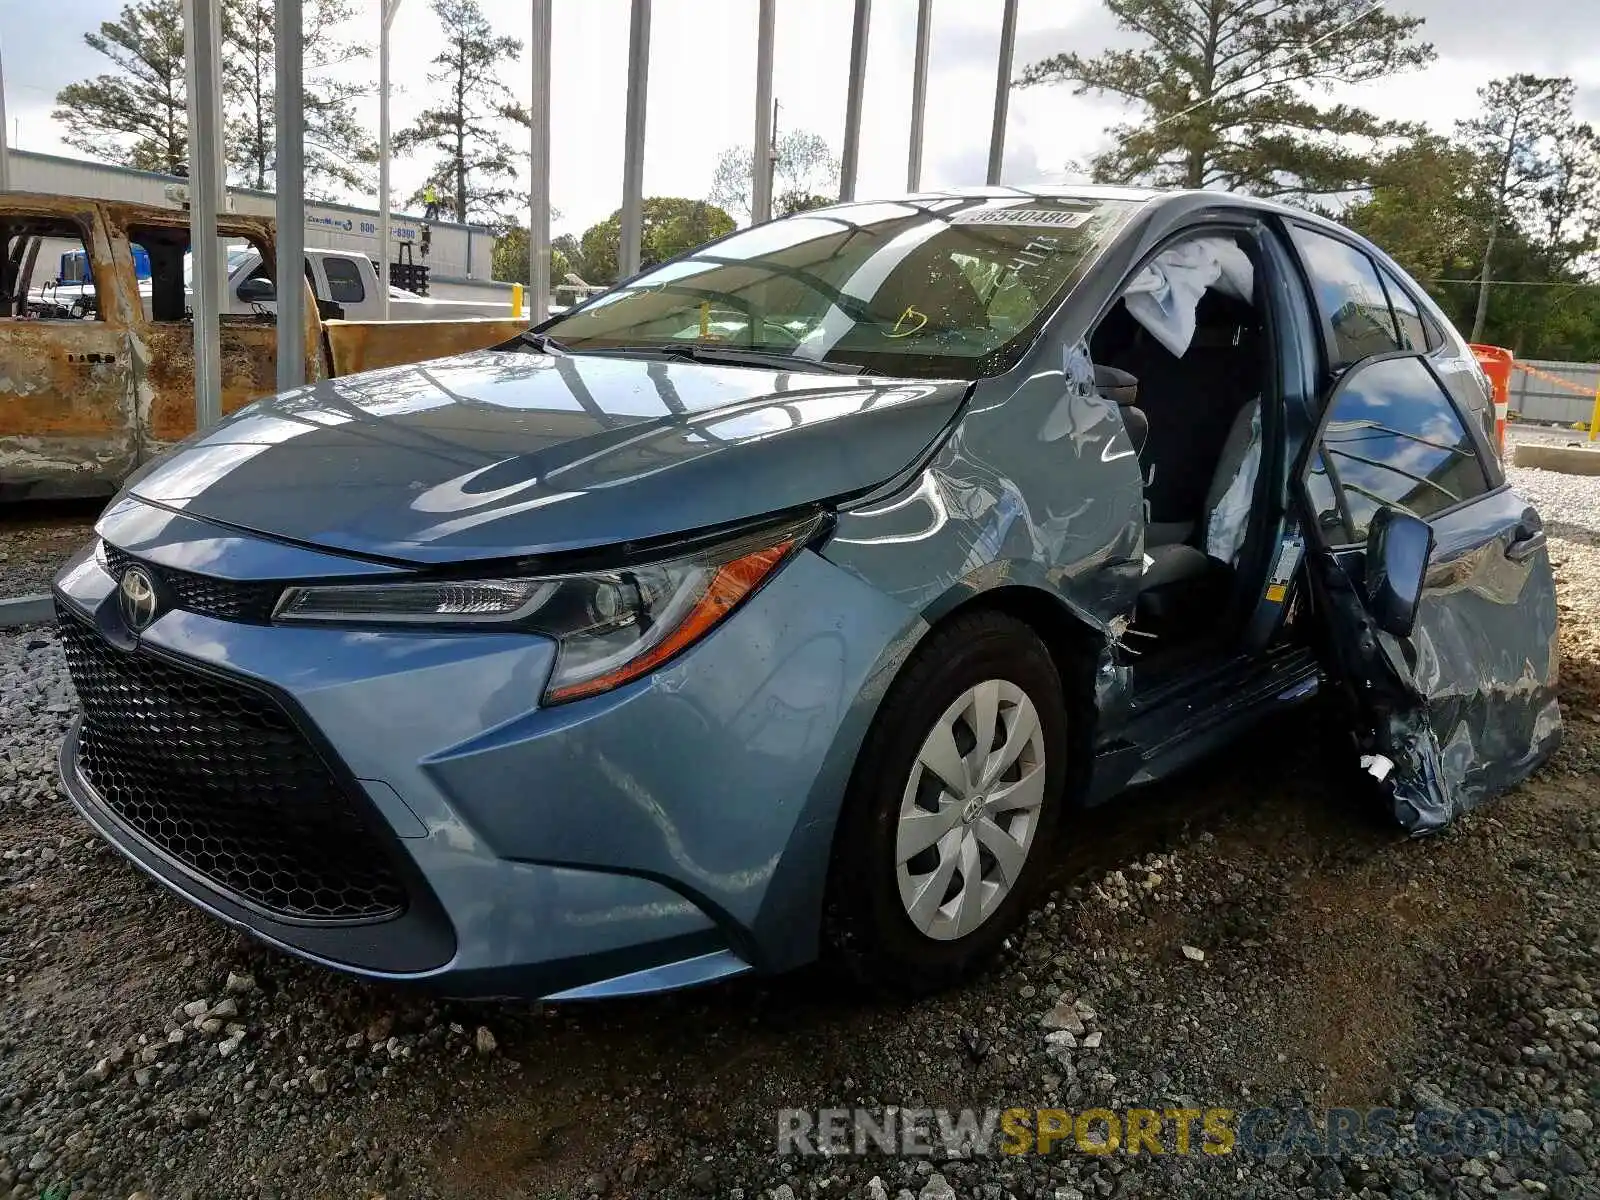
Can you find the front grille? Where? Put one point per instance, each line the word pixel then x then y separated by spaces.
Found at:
pixel 225 599
pixel 217 776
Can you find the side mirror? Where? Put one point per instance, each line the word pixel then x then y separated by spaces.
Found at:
pixel 1398 548
pixel 257 290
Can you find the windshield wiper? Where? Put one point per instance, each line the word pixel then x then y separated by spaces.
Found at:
pixel 542 342
pixel 738 356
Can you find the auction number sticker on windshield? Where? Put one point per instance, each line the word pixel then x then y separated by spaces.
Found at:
pixel 1051 218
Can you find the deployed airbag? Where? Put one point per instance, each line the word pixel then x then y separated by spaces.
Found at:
pixel 1163 297
pixel 1229 515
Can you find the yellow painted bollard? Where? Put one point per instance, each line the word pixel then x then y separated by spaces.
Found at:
pixel 1594 415
pixel 516 300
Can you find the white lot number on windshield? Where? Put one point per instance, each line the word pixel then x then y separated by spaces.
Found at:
pixel 1049 217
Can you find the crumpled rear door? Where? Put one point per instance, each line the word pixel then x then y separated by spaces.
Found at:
pixel 1465 706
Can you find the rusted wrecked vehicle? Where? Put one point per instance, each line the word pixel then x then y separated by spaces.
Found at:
pixel 97 372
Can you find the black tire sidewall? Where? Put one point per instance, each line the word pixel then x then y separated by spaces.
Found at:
pixel 868 921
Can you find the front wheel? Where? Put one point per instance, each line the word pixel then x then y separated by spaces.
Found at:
pixel 953 805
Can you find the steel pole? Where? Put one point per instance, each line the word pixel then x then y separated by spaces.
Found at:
pixel 633 141
pixel 761 153
pixel 385 19
pixel 291 198
pixel 1002 90
pixel 539 167
pixel 202 49
pixel 919 94
pixel 5 146
pixel 852 103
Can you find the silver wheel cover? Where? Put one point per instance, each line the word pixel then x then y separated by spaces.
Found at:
pixel 970 809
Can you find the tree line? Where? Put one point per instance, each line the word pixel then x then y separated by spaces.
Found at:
pixel 1499 219
pixel 135 114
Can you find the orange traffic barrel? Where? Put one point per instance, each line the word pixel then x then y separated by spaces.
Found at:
pixel 1496 362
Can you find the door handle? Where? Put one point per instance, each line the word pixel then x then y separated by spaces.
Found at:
pixel 1525 545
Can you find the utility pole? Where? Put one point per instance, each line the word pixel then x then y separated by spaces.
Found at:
pixel 1002 90
pixel 539 166
pixel 852 101
pixel 202 50
pixel 385 19
pixel 766 118
pixel 291 197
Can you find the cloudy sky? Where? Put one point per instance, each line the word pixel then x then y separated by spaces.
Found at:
pixel 702 81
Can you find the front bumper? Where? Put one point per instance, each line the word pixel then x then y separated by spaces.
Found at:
pixel 673 831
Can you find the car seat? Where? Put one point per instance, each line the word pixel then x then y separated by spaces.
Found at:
pixel 1175 548
pixel 1194 421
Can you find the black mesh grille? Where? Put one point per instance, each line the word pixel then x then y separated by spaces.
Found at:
pixel 222 598
pixel 216 775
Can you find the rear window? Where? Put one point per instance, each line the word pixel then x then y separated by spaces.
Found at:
pixel 951 287
pixel 1416 331
pixel 344 281
pixel 1350 297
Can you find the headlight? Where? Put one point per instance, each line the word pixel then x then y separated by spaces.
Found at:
pixel 612 626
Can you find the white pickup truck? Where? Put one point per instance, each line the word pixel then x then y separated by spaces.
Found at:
pixel 349 280
pixel 339 277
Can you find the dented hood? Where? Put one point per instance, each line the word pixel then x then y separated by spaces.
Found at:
pixel 504 453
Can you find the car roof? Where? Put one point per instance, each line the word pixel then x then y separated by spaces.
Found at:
pixel 1178 198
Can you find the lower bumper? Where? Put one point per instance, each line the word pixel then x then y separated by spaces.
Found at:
pixel 571 852
pixel 418 946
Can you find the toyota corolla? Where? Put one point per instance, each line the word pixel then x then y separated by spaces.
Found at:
pixel 789 597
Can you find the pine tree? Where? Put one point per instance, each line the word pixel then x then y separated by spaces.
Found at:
pixel 475 170
pixel 1519 136
pixel 338 149
pixel 1230 91
pixel 138 116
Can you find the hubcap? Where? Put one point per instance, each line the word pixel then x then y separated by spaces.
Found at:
pixel 970 809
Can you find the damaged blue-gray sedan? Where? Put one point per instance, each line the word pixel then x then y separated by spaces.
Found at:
pixel 786 598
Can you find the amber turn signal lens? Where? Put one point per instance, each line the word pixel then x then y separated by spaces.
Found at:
pixel 729 584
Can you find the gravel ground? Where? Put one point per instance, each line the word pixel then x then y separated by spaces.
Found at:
pixel 1249 935
pixel 1558 435
pixel 1569 504
pixel 36 537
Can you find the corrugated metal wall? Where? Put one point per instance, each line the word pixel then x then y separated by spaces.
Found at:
pixel 1539 399
pixel 456 251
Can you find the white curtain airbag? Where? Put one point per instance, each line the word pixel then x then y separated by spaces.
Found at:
pixel 1229 519
pixel 1163 297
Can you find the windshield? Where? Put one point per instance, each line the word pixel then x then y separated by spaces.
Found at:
pixel 236 256
pixel 952 287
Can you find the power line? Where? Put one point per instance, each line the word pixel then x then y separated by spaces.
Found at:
pixel 1216 96
pixel 1522 283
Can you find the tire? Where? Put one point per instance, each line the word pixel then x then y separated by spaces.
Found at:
pixel 873 888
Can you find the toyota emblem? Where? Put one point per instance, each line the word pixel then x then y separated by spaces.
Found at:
pixel 137 596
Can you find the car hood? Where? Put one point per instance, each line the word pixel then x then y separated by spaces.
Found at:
pixel 500 453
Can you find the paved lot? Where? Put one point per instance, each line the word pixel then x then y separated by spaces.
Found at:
pixel 1342 965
